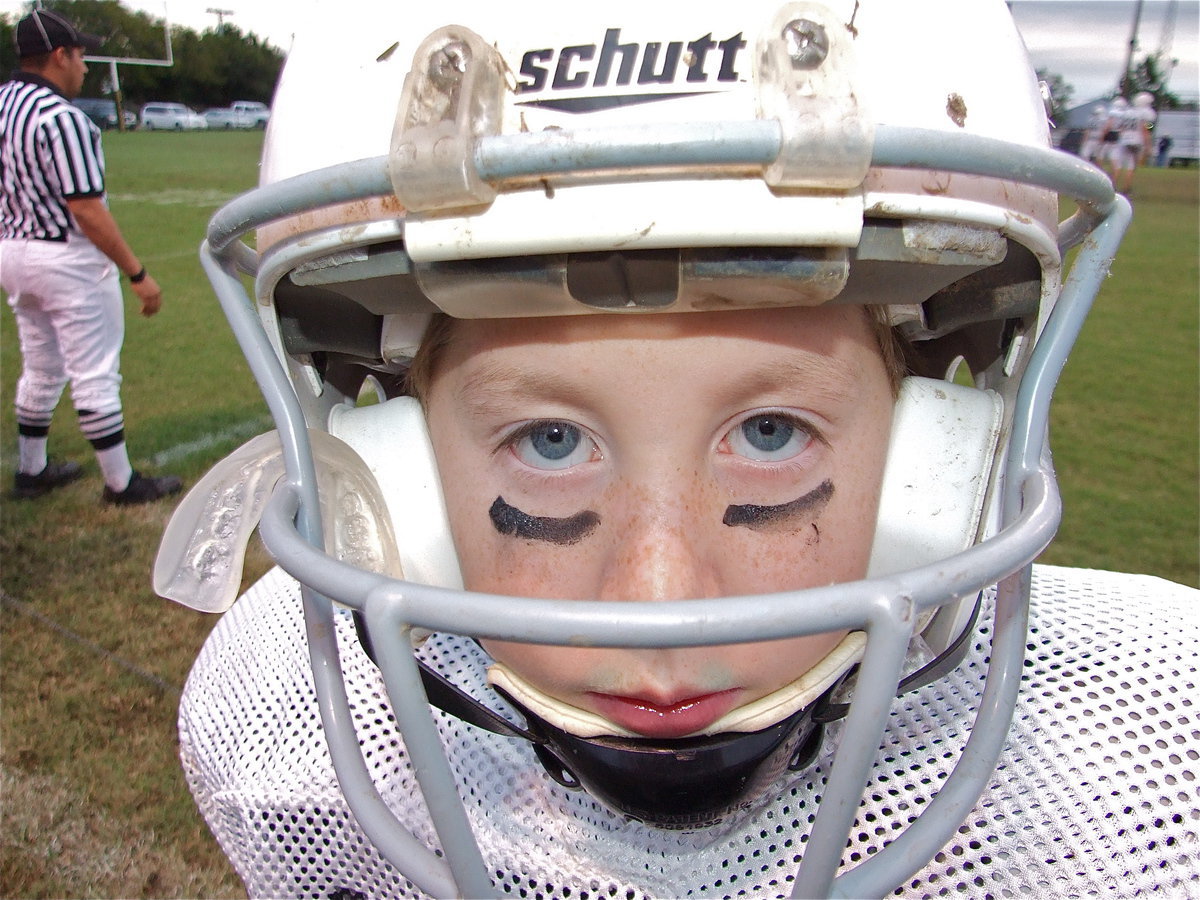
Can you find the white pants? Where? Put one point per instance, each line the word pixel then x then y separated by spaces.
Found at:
pixel 1124 156
pixel 70 319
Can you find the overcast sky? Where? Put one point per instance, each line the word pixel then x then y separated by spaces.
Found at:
pixel 1085 41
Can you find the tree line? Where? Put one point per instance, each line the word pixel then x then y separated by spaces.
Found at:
pixel 212 68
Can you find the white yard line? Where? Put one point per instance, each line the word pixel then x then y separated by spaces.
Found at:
pixel 85 643
pixel 240 430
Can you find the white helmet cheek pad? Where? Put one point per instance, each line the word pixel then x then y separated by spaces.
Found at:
pixel 863 152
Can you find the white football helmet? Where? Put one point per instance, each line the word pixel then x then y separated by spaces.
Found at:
pixel 486 162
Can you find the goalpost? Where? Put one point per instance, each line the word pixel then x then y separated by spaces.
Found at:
pixel 115 61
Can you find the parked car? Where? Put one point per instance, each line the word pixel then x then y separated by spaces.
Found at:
pixel 219 117
pixel 171 117
pixel 104 112
pixel 239 114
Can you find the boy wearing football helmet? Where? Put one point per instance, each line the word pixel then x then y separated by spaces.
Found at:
pixel 714 364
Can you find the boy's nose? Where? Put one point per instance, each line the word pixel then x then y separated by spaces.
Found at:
pixel 663 550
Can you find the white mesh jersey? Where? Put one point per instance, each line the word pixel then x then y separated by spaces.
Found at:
pixel 1096 793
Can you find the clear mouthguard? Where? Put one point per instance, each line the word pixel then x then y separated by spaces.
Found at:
pixel 203 548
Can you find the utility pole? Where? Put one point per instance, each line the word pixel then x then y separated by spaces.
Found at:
pixel 1127 75
pixel 220 14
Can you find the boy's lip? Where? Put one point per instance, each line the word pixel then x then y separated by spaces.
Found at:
pixel 658 719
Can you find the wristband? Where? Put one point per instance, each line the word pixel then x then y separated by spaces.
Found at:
pixel 139 276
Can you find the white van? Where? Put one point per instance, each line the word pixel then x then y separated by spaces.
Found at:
pixel 1183 128
pixel 171 117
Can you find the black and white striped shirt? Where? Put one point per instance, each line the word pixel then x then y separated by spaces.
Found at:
pixel 49 151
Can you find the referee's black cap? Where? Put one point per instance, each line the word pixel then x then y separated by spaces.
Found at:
pixel 43 30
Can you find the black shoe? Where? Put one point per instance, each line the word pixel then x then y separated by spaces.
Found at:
pixel 143 490
pixel 56 474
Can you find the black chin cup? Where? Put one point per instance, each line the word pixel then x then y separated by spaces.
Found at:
pixel 678 784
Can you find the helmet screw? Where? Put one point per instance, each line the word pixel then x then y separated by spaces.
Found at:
pixel 807 43
pixel 449 63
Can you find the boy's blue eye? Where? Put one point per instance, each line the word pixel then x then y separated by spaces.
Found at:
pixel 555 440
pixel 769 437
pixel 552 445
pixel 767 433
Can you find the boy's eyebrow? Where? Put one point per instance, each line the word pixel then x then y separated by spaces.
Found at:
pixel 832 379
pixel 494 384
pixel 829 378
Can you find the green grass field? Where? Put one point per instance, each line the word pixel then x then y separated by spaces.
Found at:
pixel 94 802
pixel 94 799
pixel 1125 427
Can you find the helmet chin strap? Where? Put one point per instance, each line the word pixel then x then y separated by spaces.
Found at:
pixel 683 783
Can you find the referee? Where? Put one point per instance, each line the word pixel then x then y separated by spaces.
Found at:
pixel 61 257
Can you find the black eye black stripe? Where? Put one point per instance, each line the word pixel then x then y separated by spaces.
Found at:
pixel 570 530
pixel 756 517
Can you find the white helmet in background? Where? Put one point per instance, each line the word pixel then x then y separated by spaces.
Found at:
pixel 468 160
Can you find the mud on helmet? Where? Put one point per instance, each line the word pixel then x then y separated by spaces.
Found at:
pixel 752 155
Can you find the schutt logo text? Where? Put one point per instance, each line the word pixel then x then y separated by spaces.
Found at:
pixel 706 61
